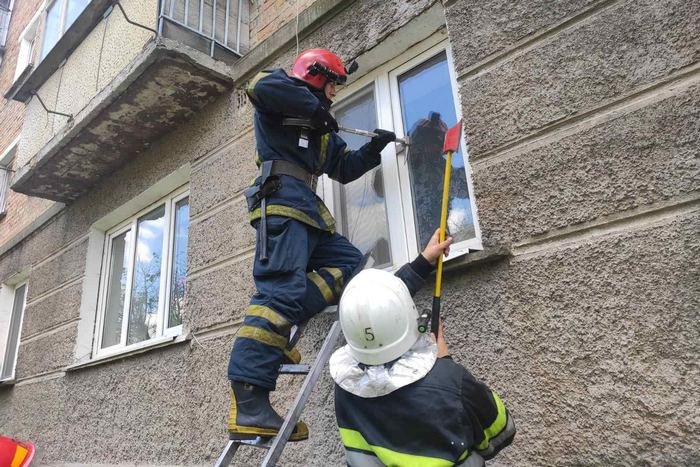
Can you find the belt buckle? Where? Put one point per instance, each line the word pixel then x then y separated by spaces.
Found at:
pixel 312 181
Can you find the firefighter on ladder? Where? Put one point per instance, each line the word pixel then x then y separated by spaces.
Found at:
pixel 301 263
pixel 399 397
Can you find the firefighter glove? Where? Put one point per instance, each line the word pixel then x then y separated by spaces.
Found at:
pixel 323 121
pixel 383 138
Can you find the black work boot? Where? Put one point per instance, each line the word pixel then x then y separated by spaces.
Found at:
pixel 252 415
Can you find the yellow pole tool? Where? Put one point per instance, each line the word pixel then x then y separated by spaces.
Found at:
pixel 451 145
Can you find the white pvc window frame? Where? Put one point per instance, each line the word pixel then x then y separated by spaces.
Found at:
pixel 63 26
pixel 6 339
pixel 6 159
pixel 398 195
pixel 27 45
pixel 163 333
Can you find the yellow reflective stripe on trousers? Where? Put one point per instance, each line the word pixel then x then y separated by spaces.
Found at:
pixel 326 216
pixel 354 440
pixel 264 336
pixel 497 426
pixel 337 277
pixel 270 315
pixel 322 286
pixel 285 211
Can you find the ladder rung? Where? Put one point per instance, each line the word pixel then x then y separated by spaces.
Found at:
pixel 258 442
pixel 290 369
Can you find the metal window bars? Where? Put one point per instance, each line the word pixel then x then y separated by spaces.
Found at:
pixel 222 22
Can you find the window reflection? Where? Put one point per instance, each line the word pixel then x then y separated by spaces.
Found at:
pixel 116 291
pixel 179 268
pixel 361 203
pixel 428 110
pixel 52 28
pixel 145 290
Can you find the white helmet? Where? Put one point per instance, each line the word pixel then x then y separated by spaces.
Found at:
pixel 378 317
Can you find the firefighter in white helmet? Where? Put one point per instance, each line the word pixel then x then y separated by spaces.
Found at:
pixel 400 400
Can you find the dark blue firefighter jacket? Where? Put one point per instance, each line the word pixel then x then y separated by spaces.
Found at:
pixel 275 95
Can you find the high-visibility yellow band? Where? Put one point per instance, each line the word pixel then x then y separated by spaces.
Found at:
pixel 497 426
pixel 324 148
pixel 250 88
pixel 285 211
pixel 322 286
pixel 326 216
pixel 354 440
pixel 337 277
pixel 264 336
pixel 269 314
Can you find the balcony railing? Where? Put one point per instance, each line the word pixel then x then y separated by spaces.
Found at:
pixel 222 23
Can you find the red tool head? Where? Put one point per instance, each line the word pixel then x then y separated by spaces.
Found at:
pixel 452 138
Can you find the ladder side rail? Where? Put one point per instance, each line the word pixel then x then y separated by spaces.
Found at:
pixel 290 421
pixel 226 457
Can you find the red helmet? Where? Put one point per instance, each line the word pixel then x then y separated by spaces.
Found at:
pixel 318 66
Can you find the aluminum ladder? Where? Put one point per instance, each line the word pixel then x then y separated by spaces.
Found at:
pixel 276 444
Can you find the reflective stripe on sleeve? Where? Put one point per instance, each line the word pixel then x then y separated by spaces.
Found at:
pixel 250 89
pixel 324 148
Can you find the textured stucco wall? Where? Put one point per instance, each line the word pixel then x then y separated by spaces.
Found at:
pixel 589 330
pixel 111 45
pixel 584 128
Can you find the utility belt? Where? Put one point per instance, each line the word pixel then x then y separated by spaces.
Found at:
pixel 257 194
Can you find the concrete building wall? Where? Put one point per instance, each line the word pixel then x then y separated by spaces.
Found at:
pixel 584 126
pixel 21 210
pixel 268 16
pixel 583 123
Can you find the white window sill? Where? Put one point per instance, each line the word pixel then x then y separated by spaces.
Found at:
pixel 131 351
pixel 478 257
pixel 8 382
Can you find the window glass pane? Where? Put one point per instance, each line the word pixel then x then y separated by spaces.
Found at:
pixel 428 110
pixel 360 205
pixel 52 28
pixel 75 7
pixel 116 290
pixel 8 365
pixel 179 267
pixel 145 289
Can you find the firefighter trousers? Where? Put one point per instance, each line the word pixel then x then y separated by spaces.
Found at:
pixel 305 272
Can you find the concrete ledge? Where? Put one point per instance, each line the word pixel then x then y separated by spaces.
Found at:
pixel 160 89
